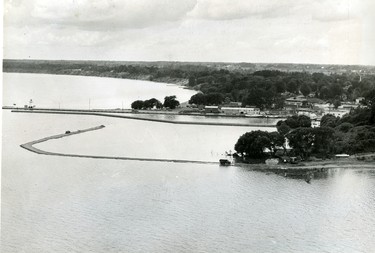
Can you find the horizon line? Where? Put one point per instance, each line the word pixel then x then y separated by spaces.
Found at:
pixel 180 61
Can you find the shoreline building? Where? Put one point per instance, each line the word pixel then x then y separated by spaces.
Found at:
pixel 241 110
pixel 296 101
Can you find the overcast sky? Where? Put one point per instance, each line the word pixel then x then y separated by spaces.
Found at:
pixel 291 31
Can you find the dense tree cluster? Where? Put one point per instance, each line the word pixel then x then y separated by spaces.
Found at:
pixel 267 88
pixel 354 132
pixel 305 140
pixel 252 144
pixel 169 102
pixel 207 99
pixel 351 134
pixel 146 104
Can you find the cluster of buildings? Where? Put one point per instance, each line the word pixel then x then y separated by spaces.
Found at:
pixel 301 106
pixel 298 105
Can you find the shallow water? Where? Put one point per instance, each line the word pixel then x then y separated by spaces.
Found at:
pixel 62 204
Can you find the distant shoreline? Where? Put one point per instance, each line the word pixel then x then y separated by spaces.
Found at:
pixel 168 80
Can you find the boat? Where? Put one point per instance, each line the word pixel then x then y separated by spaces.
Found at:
pixel 224 162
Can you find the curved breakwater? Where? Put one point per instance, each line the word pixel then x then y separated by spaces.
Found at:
pixel 280 168
pixel 30 147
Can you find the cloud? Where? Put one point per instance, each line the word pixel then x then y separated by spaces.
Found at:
pixel 326 31
pixel 96 14
pixel 238 9
pixel 320 10
pixel 336 10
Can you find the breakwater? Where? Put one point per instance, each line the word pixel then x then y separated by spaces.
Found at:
pixel 287 170
pixel 30 147
pixel 107 114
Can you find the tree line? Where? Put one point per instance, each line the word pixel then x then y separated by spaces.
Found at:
pixel 268 89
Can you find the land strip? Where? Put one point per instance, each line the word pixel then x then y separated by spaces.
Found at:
pixel 83 112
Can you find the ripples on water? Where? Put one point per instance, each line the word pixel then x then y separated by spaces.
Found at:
pixel 60 204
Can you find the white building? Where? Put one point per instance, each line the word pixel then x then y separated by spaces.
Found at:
pixel 240 110
pixel 336 113
pixel 309 114
pixel 297 101
pixel 358 100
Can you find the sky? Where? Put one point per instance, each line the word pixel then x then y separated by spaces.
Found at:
pixel 275 31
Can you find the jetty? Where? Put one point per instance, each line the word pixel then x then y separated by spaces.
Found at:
pixel 110 113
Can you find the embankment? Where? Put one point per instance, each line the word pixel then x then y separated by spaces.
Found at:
pixel 83 112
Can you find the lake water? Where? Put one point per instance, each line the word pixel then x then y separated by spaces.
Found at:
pixel 63 204
pixel 72 92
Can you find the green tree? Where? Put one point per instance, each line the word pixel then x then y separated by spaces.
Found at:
pixel 336 103
pixel 323 140
pixel 370 102
pixel 344 127
pixel 198 99
pixel 192 81
pixel 298 121
pixel 276 140
pixel 362 139
pixel 305 89
pixel 137 105
pixel 280 86
pixel 329 120
pixel 357 117
pixel 279 102
pixel 336 90
pixel 282 127
pixel 252 144
pixel 214 98
pixel 301 140
pixel 304 121
pixel 152 103
pixel 171 102
pixel 258 97
pixel 292 86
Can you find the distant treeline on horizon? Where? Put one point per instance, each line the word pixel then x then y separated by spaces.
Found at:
pixel 256 84
pixel 244 66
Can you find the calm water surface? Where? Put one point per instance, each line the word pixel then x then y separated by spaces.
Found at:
pixel 72 92
pixel 212 118
pixel 62 204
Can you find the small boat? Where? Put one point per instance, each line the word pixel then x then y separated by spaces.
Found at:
pixel 224 162
pixel 309 176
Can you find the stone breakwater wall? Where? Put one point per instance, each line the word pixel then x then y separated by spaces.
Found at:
pixel 77 112
pixel 30 147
